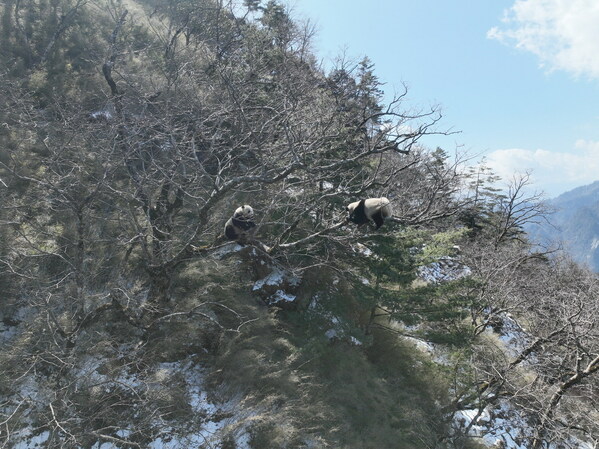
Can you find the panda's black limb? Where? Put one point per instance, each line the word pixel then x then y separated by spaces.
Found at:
pixel 378 219
pixel 358 216
pixel 231 233
pixel 246 224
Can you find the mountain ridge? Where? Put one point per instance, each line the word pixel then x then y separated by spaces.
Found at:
pixel 574 224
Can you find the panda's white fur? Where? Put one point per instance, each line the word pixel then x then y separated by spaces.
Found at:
pixel 244 211
pixel 375 209
pixel 241 226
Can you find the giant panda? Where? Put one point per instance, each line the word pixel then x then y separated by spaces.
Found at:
pixel 241 226
pixel 375 209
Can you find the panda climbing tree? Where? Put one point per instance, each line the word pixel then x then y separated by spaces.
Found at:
pixel 370 209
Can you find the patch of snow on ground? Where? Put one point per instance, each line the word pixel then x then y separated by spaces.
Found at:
pixel 88 371
pixel 331 333
pixel 362 249
pixel 339 329
pixel 28 437
pixel 421 345
pixel 513 336
pixel 281 296
pixel 30 389
pixel 436 353
pixel 208 434
pixel 99 445
pixel 211 432
pixel 277 277
pixel 355 341
pixel 101 115
pixel 501 425
pixel 227 249
pixel 444 270
pixel 294 191
pixel 194 376
pixel 334 334
pixel 243 441
pixel 28 441
pixel 311 443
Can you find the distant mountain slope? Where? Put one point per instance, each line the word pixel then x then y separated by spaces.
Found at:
pixel 575 223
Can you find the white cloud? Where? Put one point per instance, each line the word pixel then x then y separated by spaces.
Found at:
pixel 564 34
pixel 552 172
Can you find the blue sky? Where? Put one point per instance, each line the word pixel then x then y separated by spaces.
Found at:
pixel 518 78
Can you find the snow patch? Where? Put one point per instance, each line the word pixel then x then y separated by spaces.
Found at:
pixel 444 270
pixel 28 441
pixel 331 334
pixel 217 419
pixel 273 287
pixel 99 445
pixel 513 336
pixel 277 277
pixel 360 248
pixel 338 334
pixel 281 296
pixel 101 115
pixel 355 341
pixel 436 353
pixel 229 248
pixel 501 426
pixel 243 441
pixel 294 191
pixel 421 345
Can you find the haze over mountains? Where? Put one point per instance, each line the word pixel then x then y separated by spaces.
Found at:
pixel 575 224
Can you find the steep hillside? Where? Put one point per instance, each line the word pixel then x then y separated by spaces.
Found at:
pixel 132 131
pixel 222 369
pixel 574 224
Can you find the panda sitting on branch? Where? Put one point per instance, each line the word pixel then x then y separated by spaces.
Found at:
pixel 241 226
pixel 370 209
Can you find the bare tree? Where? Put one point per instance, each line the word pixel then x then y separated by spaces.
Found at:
pixel 518 208
pixel 544 311
pixel 241 118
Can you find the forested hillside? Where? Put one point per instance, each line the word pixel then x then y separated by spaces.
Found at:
pixel 574 224
pixel 130 132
